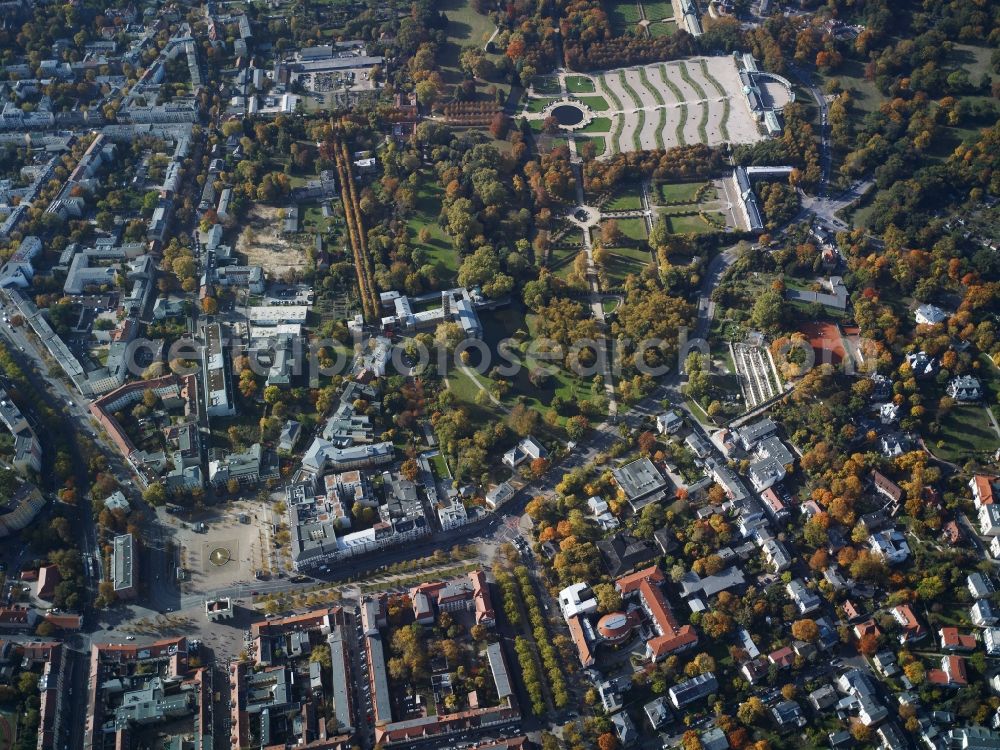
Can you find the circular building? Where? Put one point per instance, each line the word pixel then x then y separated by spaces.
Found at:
pixel 615 627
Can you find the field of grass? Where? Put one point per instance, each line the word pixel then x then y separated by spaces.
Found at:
pixel 599 141
pixel 662 28
pixel 658 10
pixel 866 95
pixel 626 199
pixel 465 27
pixel 561 259
pixel 580 85
pixel 597 125
pixel 689 225
pixel 440 466
pixel 537 105
pixel 503 323
pixel 966 432
pixel 636 136
pixel 596 103
pixel 623 15
pixel 634 228
pixel 314 221
pixel 976 60
pixel 439 249
pixel 678 192
pixel 546 85
pixel 623 261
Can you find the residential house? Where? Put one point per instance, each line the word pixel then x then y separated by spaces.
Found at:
pixel 783 658
pixel 788 714
pixel 695 689
pixel 887 488
pixel 891 546
pixel 951 674
pixel 823 698
pixel 965 389
pixel 980 586
pixel 982 488
pixel 929 315
pixel 776 555
pixel 805 600
pixel 913 631
pixel 953 640
pixel 657 712
pixel 989 520
pixel 528 449
pixel 669 422
pixel 499 495
pixel 984 613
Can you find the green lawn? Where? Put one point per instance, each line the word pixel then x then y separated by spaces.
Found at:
pixel 596 103
pixel 466 27
pixel 966 432
pixel 865 93
pixel 623 261
pixel 662 28
pixel 623 15
pixel 561 259
pixel 599 141
pixel 537 105
pixel 976 60
pixel 546 85
pixel 597 125
pixel 626 199
pixel 503 323
pixel 658 10
pixel 636 136
pixel 661 122
pixel 723 128
pixel 440 466
pixel 615 101
pixel 439 249
pixel 314 221
pixel 679 192
pixel 580 85
pixel 689 225
pixel 634 228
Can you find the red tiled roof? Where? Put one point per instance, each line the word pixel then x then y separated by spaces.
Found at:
pixel 672 637
pixel 909 622
pixel 783 657
pixel 580 641
pixel 866 627
pixel 952 639
pixel 984 488
pixel 627 584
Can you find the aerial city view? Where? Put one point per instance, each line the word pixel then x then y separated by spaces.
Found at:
pixel 499 374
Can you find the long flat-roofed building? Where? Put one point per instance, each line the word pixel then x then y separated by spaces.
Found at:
pixel 123 566
pixel 218 388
